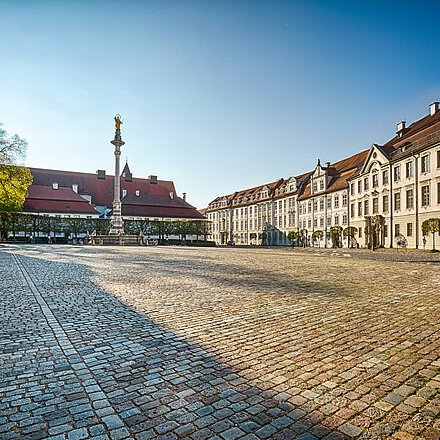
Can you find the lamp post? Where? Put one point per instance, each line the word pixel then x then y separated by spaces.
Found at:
pixel 116 224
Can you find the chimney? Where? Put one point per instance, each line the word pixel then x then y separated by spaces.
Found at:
pixel 100 174
pixel 184 197
pixel 55 185
pixel 153 179
pixel 433 108
pixel 401 128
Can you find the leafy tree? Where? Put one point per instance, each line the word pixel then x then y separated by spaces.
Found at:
pixel 335 235
pixel 303 233
pixel 293 236
pixel 14 178
pixel 431 226
pixel 350 232
pixel 318 236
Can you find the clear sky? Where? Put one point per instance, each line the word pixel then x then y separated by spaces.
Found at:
pixel 215 95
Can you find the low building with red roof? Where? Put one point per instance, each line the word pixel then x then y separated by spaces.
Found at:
pixel 77 194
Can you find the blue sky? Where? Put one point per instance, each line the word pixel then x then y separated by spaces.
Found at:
pixel 215 95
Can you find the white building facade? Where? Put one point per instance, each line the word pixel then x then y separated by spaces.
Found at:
pixel 385 193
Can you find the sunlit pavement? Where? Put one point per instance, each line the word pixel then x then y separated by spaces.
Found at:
pixel 226 343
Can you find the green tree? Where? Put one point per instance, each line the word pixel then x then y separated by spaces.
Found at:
pixel 318 236
pixel 350 232
pixel 431 226
pixel 335 235
pixel 14 178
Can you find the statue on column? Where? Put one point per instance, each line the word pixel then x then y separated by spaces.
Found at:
pixel 118 122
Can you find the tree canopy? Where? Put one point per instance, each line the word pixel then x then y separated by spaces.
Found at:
pixel 431 226
pixel 14 178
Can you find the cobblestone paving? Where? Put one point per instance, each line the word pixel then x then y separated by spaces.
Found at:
pixel 167 343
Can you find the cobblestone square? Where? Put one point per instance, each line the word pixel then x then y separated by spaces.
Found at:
pixel 227 343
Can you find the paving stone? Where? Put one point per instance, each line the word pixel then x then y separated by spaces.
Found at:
pixel 338 350
pixel 78 434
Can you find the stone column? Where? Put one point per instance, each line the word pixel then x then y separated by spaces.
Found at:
pixel 117 225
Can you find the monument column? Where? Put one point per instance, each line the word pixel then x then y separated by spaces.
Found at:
pixel 116 224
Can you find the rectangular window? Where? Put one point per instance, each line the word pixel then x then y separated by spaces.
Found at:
pixel 352 210
pixel 321 185
pixel 315 205
pixel 300 209
pixel 425 195
pixel 344 219
pixel 438 193
pixel 329 202
pixel 321 222
pixel 310 208
pixel 344 200
pixel 409 199
pixel 396 173
pixel 375 205
pixel 409 169
pixel 396 230
pixel 425 164
pixel 438 158
pixel 336 202
pixel 375 180
pixel 315 186
pixel 366 207
pixel 359 186
pixel 409 229
pixel 315 222
pixel 396 201
pixel 321 204
pixel 385 177
pixel 385 231
pixel 385 203
pixel 359 209
pixel 352 189
pixel 366 184
pixel 360 232
pixel 336 220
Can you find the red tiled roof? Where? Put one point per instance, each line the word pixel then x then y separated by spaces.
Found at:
pixel 100 190
pixel 416 131
pixel 58 207
pixel 48 193
pixel 153 201
pixel 340 171
pixel 62 200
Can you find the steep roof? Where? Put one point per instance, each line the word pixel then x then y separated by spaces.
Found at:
pixel 101 190
pixel 417 136
pixel 339 173
pixel 62 200
pixel 155 199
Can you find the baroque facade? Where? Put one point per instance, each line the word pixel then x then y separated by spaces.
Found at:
pixel 384 192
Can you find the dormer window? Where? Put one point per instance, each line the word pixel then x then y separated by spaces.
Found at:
pixel 137 193
pixel 315 186
pixel 124 193
pixel 321 185
pixel 55 185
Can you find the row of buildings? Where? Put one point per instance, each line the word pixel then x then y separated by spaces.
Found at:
pixel 69 194
pixel 385 192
